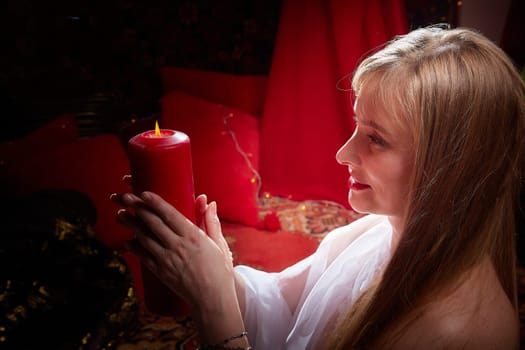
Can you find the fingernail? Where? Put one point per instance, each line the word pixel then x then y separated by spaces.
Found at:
pixel 121 213
pixel 113 196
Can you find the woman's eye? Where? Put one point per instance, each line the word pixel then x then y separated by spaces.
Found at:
pixel 377 140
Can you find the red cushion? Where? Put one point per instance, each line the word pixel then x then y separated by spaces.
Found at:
pixel 220 170
pixel 245 92
pixel 94 166
pixel 56 132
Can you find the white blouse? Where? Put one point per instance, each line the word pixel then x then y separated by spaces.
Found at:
pixel 295 308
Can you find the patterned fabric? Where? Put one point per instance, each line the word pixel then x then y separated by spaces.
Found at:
pixel 159 332
pixel 313 217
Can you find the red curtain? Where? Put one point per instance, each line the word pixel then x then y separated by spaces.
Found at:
pixel 306 118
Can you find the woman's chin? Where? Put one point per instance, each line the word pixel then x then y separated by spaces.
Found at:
pixel 358 206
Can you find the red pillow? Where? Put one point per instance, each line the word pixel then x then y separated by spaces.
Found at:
pixel 56 132
pixel 245 92
pixel 223 172
pixel 93 166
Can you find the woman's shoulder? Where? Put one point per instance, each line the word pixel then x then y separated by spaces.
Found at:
pixel 476 315
pixel 372 231
pixel 357 228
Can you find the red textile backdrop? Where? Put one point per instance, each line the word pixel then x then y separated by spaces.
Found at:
pixel 306 119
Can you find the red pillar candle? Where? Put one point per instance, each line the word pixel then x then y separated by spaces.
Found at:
pixel 160 162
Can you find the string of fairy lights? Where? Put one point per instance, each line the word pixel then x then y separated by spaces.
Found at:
pixel 256 177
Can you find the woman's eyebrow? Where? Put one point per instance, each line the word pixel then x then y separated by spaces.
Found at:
pixel 372 124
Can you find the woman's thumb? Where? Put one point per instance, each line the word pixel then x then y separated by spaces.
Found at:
pixel 213 224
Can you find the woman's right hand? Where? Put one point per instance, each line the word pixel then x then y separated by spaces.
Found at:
pixel 193 261
pixel 201 206
pixel 195 265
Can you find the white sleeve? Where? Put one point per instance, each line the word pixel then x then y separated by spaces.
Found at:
pixel 270 306
pixel 291 308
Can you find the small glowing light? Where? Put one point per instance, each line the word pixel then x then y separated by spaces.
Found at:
pixel 230 115
pixel 86 338
pixel 252 180
pixel 460 3
pixel 42 290
pixel 157 129
pixel 267 195
pixel 303 207
pixel 21 310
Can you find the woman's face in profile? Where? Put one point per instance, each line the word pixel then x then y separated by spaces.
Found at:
pixel 380 157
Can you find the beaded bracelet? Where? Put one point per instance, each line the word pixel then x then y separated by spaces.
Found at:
pixel 222 345
pixel 240 335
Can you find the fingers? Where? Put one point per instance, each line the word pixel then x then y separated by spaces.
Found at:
pixel 129 221
pixel 173 220
pixel 214 229
pixel 141 232
pixel 145 222
pixel 127 180
pixel 213 224
pixel 117 199
pixel 201 204
pixel 158 217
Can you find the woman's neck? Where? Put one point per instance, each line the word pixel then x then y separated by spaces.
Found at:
pixel 397 224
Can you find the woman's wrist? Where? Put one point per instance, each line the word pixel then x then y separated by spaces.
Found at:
pixel 227 344
pixel 219 318
pixel 240 291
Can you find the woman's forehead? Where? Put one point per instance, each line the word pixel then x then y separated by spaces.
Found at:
pixel 382 108
pixel 370 105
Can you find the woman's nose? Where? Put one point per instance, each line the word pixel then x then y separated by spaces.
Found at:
pixel 348 153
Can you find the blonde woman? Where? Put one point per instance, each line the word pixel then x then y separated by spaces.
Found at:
pixel 435 162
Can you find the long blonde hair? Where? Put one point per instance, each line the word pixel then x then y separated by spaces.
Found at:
pixel 464 103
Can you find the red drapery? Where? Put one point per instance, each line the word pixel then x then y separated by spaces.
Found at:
pixel 306 119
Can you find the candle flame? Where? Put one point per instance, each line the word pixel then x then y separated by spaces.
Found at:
pixel 157 129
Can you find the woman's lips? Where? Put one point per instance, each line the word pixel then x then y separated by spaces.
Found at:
pixel 356 185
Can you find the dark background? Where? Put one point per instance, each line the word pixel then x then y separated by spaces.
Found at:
pixel 100 59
